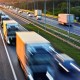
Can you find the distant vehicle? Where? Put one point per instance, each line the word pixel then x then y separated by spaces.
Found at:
pixel 34 56
pixel 1 14
pixel 20 11
pixel 38 14
pixel 10 7
pixel 66 19
pixel 7 7
pixel 30 15
pixel 66 62
pixel 38 17
pixel 78 19
pixel 9 31
pixel 3 18
pixel 17 9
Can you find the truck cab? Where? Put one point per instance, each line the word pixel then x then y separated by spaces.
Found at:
pixel 40 63
pixel 3 18
pixel 9 30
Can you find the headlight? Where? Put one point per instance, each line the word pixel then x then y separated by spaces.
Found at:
pixel 30 77
pixel 7 39
pixel 49 76
pixel 29 73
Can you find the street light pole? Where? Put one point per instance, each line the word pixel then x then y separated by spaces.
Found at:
pixel 53 7
pixel 34 4
pixel 27 4
pixel 67 6
pixel 69 18
pixel 45 13
pixel 37 4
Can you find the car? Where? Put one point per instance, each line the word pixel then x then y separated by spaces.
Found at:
pixel 38 17
pixel 30 15
pixel 20 11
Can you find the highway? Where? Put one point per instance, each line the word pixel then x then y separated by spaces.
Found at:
pixel 6 72
pixel 5 69
pixel 75 29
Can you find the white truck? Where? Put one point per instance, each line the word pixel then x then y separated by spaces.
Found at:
pixel 38 14
pixel 34 57
pixel 66 19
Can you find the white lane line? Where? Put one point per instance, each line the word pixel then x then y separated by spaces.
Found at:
pixel 64 67
pixel 77 68
pixel 15 77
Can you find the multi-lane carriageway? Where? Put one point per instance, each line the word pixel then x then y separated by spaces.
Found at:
pixel 10 68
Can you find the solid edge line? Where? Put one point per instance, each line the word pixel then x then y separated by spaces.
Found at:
pixel 15 77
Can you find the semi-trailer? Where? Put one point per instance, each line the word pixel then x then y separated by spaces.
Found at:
pixel 34 56
pixel 38 14
pixel 66 19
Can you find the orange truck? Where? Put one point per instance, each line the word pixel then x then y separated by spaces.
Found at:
pixel 33 52
pixel 9 31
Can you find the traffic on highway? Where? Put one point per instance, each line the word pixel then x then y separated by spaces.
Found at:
pixel 25 54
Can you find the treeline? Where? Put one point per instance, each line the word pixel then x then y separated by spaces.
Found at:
pixel 53 6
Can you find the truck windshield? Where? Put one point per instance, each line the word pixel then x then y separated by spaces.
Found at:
pixel 12 31
pixel 41 56
pixel 46 46
pixel 5 19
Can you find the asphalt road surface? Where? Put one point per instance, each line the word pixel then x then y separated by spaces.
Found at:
pixel 6 72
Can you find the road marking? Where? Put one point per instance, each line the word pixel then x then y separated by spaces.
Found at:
pixel 73 65
pixel 64 67
pixel 15 77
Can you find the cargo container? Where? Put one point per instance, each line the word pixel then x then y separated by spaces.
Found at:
pixel 34 56
pixel 9 31
pixel 38 14
pixel 66 19
pixel 66 62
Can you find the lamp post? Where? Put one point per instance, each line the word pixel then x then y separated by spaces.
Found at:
pixel 37 4
pixel 67 6
pixel 34 4
pixel 27 4
pixel 45 13
pixel 53 7
pixel 69 17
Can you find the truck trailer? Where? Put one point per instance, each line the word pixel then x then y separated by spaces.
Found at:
pixel 34 57
pixel 38 14
pixel 9 31
pixel 66 19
